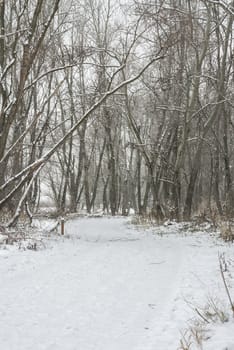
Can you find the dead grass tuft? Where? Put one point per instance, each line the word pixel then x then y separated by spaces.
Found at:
pixel 226 231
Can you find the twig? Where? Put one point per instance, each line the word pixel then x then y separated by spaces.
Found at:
pixel 225 285
pixel 204 319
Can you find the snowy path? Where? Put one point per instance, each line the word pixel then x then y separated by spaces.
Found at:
pixel 107 287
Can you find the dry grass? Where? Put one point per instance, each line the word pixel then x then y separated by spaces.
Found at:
pixel 144 220
pixel 226 231
pixel 194 336
pixel 197 332
pixel 212 313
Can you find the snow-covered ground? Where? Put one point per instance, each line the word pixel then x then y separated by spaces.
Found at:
pixel 107 285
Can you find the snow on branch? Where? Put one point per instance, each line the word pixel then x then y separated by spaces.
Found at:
pixel 46 73
pixel 39 163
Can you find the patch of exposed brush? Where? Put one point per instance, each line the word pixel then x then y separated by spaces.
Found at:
pixel 214 312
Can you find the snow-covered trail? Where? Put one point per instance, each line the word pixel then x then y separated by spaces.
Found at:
pixel 106 287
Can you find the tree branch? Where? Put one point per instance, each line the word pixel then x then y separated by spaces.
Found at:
pixel 39 163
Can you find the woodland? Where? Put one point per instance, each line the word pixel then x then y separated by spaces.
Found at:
pixel 117 106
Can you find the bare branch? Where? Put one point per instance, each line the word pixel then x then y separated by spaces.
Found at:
pixel 41 161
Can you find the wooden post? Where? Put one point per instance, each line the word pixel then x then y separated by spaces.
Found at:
pixel 62 226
